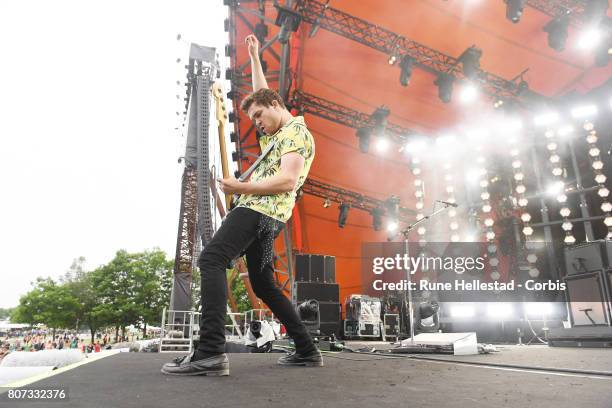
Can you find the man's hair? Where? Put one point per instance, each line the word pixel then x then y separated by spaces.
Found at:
pixel 263 97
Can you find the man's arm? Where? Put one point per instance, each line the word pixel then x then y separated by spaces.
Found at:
pixel 291 165
pixel 257 75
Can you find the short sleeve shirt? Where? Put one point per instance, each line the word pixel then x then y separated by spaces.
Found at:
pixel 292 137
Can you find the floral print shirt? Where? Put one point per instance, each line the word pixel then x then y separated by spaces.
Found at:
pixel 292 137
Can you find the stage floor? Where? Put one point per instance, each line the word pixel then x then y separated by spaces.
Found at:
pixel 134 380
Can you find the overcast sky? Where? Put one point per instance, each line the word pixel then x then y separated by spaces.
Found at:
pixel 88 151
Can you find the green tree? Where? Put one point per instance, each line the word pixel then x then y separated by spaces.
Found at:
pixel 6 313
pixel 132 288
pixel 47 303
pixel 153 280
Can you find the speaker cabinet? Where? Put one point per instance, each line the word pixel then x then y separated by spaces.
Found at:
pixel 315 268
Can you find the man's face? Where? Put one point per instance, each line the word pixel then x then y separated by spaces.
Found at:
pixel 267 119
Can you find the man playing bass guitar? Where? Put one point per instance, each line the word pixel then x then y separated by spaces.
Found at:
pixel 265 203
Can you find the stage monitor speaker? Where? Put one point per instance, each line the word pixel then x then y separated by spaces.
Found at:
pixel 588 257
pixel 323 292
pixel 588 299
pixel 315 268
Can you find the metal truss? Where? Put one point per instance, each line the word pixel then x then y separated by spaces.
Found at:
pixel 426 58
pixel 356 200
pixel 574 9
pixel 305 102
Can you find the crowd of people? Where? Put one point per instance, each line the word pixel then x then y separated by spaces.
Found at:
pixel 41 340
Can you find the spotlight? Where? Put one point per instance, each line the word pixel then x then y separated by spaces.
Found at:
pixel 462 311
pixel 537 309
pixel 377 214
pixel 382 144
pixel 415 147
pixel 379 117
pixel 444 82
pixel 392 204
pixel 555 188
pixel 584 111
pixel 406 69
pixel 364 139
pixel 514 10
pixel 392 226
pixel 590 39
pixel 499 310
pixel 392 59
pixel 557 32
pixel 342 216
pixel 546 118
pixel 468 93
pixel 288 21
pixel 326 203
pixel 470 60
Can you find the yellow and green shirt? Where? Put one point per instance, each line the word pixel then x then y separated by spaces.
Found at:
pixel 292 137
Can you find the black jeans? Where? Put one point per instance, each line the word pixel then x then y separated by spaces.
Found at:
pixel 242 229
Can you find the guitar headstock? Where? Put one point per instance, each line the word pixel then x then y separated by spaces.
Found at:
pixel 220 111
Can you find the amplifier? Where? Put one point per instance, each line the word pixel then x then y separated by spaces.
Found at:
pixel 588 257
pixel 588 299
pixel 323 292
pixel 315 268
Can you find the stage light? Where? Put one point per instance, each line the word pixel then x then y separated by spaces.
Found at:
pixel 546 118
pixel 557 171
pixel 606 207
pixel 522 202
pixel 499 310
pixel 528 231
pixel 288 20
pixel 392 59
pixel 488 222
pixel 377 214
pixel 473 175
pixel 603 192
pixel 415 147
pixel 608 221
pixel 495 275
pixel 406 69
pixel 590 39
pixel 600 178
pixel 565 130
pixel 532 258
pixel 343 215
pixel 562 198
pixel 594 151
pixel 421 230
pixel 470 60
pixel 462 311
pixel 490 235
pixel 379 117
pixel 569 239
pixel 392 226
pixel 537 309
pixel 364 135
pixel 567 226
pixel 514 10
pixel 555 188
pixel 565 212
pixel 584 111
pixel 444 82
pixel 382 144
pixel 526 217
pixel 446 140
pixel 557 32
pixel 597 165
pixel 468 94
pixel 326 203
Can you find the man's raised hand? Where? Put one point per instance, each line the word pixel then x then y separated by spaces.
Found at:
pixel 253 44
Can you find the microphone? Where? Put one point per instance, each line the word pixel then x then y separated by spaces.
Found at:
pixel 447 203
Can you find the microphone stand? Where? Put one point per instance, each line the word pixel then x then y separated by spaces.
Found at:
pixel 405 232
